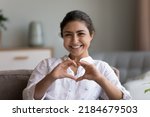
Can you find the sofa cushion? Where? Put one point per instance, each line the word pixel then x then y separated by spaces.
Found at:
pixel 138 85
pixel 12 83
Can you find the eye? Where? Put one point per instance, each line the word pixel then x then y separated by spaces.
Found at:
pixel 67 35
pixel 81 34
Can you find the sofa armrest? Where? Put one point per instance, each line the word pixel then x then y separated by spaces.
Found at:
pixel 12 83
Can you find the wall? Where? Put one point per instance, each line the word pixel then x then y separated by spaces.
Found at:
pixel 114 22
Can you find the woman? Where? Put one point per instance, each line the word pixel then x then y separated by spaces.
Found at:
pixel 75 76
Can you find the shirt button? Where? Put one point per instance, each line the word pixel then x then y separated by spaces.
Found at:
pixel 86 88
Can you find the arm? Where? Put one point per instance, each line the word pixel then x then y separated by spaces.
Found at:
pixel 57 73
pixel 110 89
pixel 92 73
pixel 43 76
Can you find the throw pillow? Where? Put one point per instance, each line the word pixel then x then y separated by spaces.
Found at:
pixel 138 86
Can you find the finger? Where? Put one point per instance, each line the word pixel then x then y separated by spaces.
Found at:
pixel 84 64
pixel 78 64
pixel 69 62
pixel 74 63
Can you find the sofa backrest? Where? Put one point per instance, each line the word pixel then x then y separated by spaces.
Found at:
pixel 12 84
pixel 130 64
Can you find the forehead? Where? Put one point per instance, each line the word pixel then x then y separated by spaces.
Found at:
pixel 75 25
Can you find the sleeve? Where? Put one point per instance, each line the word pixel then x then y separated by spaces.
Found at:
pixel 112 77
pixel 38 73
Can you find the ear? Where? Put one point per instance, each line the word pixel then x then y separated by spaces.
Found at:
pixel 92 35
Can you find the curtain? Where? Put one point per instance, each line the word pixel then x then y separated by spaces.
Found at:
pixel 143 25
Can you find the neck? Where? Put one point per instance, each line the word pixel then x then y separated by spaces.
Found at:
pixel 77 58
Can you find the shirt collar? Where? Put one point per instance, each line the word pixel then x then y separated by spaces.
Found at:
pixel 88 59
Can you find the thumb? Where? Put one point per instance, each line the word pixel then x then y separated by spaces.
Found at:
pixel 84 64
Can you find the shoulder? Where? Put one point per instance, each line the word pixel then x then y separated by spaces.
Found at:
pixel 106 70
pixel 103 66
pixel 50 61
pixel 46 65
pixel 100 63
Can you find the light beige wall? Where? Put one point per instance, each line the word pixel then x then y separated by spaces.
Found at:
pixel 113 20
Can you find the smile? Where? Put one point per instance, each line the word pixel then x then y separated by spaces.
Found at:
pixel 76 47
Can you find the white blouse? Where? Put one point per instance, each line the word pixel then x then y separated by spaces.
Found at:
pixel 68 89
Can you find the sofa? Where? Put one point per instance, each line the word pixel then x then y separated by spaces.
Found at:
pixel 12 83
pixel 133 69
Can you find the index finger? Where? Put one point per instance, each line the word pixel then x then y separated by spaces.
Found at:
pixel 84 64
pixel 69 62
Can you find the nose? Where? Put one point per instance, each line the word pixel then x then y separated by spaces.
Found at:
pixel 75 38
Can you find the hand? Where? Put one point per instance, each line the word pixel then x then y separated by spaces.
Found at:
pixel 91 72
pixel 60 71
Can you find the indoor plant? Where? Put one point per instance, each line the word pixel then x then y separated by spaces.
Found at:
pixel 2 20
pixel 148 89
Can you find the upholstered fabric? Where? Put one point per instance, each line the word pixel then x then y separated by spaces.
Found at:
pixel 138 85
pixel 12 83
pixel 130 64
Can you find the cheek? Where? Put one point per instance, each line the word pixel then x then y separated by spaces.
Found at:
pixel 65 43
pixel 87 42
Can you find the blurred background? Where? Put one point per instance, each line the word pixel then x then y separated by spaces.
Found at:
pixel 121 25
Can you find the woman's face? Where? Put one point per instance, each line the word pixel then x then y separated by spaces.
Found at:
pixel 77 38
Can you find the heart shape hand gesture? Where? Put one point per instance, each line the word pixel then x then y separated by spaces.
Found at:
pixel 91 72
pixel 60 71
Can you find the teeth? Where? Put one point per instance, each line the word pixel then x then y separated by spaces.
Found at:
pixel 75 47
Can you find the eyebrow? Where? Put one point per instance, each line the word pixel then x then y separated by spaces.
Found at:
pixel 76 31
